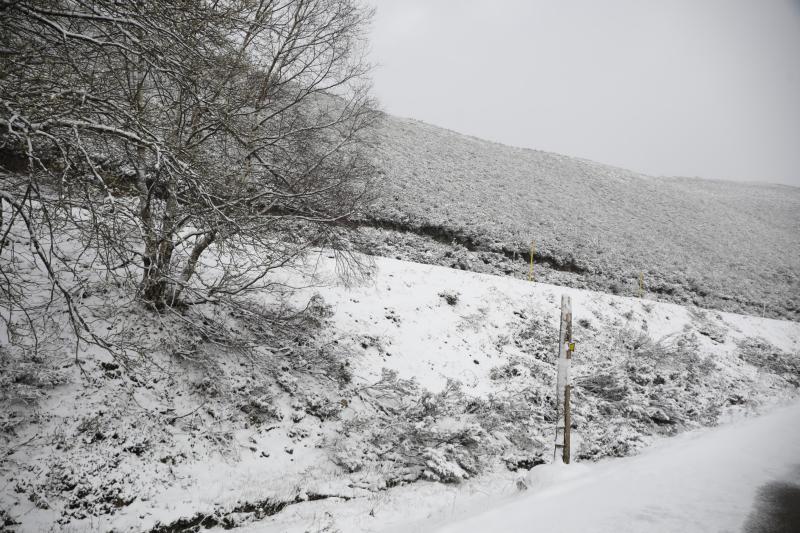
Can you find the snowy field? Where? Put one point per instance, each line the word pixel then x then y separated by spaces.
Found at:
pixel 424 393
pixel 721 245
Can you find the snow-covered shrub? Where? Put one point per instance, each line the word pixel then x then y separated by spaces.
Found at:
pixel 636 387
pixel 536 336
pixel 318 311
pixel 520 416
pixel 414 433
pixel 321 406
pixel 450 463
pixel 764 355
pixel 524 462
pixel 25 378
pixel 506 371
pixel 323 360
pixel 608 386
pixel 612 440
pixel 707 327
pixel 451 297
pixel 259 406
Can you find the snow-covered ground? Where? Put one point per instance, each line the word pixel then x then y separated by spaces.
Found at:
pixel 705 481
pixel 424 337
pixel 449 377
pixel 405 306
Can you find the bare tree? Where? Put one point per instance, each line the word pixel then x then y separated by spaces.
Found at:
pixel 193 145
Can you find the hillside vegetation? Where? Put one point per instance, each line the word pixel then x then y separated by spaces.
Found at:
pixel 722 245
pixel 420 378
pixel 191 337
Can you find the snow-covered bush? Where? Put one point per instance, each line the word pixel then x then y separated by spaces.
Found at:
pixel 450 297
pixel 450 463
pixel 24 378
pixel 764 355
pixel 642 387
pixel 536 337
pixel 259 406
pixel 414 433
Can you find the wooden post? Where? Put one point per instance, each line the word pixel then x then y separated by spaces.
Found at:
pixel 563 383
pixel 530 272
pixel 567 423
pixel 641 284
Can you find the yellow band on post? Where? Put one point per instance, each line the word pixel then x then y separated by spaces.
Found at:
pixel 530 271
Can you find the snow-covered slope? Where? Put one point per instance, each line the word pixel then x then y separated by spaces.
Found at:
pixel 475 340
pixel 423 336
pixel 709 480
pixel 420 380
pixel 721 245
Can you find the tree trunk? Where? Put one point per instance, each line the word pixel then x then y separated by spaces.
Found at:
pixel 191 263
pixel 156 281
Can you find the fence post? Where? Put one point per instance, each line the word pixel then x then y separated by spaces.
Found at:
pixel 563 384
pixel 567 423
pixel 533 250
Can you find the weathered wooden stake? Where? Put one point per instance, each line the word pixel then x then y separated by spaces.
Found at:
pixel 563 383
pixel 530 272
pixel 567 423
pixel 641 284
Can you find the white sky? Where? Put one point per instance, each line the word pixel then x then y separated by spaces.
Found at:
pixel 707 88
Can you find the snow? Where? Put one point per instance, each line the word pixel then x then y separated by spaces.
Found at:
pixel 423 337
pixel 703 481
pixel 700 482
pixel 430 340
pixel 429 323
pixel 722 245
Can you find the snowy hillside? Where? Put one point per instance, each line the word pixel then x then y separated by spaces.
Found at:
pixel 235 294
pixel 424 383
pixel 477 205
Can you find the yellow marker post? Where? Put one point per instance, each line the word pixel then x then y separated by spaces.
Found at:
pixel 530 271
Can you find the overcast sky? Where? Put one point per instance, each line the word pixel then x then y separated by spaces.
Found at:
pixel 707 88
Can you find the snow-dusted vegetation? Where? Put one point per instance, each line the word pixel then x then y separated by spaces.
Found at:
pixel 420 375
pixel 684 485
pixel 233 294
pixel 720 245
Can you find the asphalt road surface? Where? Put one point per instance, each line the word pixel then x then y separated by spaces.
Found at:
pixel 777 509
pixel 739 478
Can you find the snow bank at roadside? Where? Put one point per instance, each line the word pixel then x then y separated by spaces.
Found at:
pixel 699 482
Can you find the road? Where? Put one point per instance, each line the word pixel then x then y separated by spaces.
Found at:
pixel 742 477
pixel 777 508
